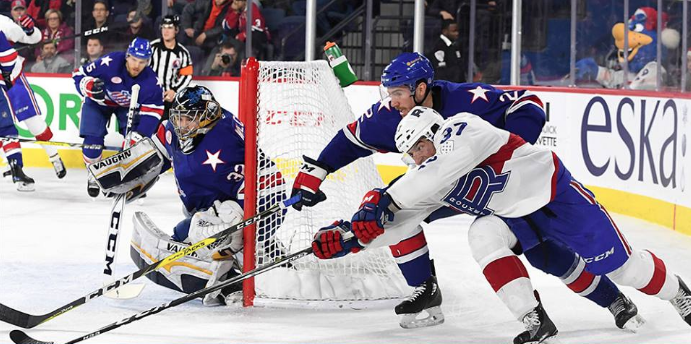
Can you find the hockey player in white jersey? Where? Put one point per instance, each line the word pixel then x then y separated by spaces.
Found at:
pixel 466 163
pixel 22 99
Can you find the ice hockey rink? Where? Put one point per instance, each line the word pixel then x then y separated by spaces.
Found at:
pixel 52 245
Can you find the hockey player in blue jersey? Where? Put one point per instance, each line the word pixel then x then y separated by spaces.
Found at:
pixel 409 82
pixel 21 104
pixel 516 190
pixel 204 144
pixel 106 86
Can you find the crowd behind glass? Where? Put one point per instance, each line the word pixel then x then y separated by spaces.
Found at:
pixel 214 33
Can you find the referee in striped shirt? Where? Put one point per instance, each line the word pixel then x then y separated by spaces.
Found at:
pixel 171 61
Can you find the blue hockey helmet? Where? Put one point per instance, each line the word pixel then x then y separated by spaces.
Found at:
pixel 407 69
pixel 140 48
pixel 194 111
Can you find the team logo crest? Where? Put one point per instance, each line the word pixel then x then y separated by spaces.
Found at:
pixel 116 80
pixel 169 137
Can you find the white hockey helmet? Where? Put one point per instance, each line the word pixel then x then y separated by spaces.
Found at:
pixel 420 122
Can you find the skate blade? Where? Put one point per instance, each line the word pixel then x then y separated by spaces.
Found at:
pixel 25 187
pixel 125 292
pixel 549 340
pixel 434 317
pixel 634 323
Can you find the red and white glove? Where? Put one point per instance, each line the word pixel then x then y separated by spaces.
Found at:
pixel 335 241
pixel 374 212
pixel 311 175
pixel 92 88
pixel 27 24
pixel 132 138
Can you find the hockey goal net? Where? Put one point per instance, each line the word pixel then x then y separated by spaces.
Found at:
pixel 291 109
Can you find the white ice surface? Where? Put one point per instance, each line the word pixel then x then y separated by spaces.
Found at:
pixel 52 245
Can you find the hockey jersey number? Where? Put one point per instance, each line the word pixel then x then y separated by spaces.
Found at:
pixel 473 192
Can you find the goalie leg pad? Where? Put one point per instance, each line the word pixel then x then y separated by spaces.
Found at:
pixel 149 244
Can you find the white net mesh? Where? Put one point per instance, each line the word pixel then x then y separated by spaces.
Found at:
pixel 300 108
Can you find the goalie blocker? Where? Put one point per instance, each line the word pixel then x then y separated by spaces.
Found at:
pixel 132 171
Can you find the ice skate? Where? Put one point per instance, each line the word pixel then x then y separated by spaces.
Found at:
pixel 58 166
pixel 682 302
pixel 539 327
pixel 425 297
pixel 625 313
pixel 24 182
pixel 92 187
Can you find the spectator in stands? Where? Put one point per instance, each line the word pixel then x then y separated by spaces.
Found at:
pixel 67 9
pixel 446 55
pixel 235 25
pixel 139 27
pixel 223 61
pixel 177 6
pixel 171 61
pixel 446 9
pixel 202 22
pixel 38 8
pixel 100 17
pixel 94 50
pixel 55 30
pixel 50 62
pixel 18 13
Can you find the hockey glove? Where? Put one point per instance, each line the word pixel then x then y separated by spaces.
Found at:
pixel 312 174
pixel 375 211
pixel 330 242
pixel 133 137
pixel 586 69
pixel 27 24
pixel 92 88
pixel 7 77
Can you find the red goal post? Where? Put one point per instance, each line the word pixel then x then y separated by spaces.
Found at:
pixel 291 109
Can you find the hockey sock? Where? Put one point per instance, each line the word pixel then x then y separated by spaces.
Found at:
pixel 509 279
pixel 557 260
pixel 92 155
pixel 42 132
pixel 647 273
pixel 412 257
pixel 13 150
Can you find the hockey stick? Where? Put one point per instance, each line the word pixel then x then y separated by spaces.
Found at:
pixel 20 337
pixel 86 33
pixel 24 320
pixel 60 144
pixel 117 213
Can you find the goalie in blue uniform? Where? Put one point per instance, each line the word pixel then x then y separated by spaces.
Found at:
pixel 409 82
pixel 204 144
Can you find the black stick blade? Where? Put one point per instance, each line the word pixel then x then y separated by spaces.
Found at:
pixel 15 317
pixel 19 337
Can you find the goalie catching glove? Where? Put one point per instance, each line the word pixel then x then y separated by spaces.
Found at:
pixel 131 172
pixel 312 174
pixel 335 241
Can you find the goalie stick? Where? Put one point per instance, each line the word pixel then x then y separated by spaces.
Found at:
pixel 20 337
pixel 24 320
pixel 60 144
pixel 116 216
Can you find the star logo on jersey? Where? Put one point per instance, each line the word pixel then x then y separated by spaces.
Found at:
pixel 106 61
pixel 213 159
pixel 479 93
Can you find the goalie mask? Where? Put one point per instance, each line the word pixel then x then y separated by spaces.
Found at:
pixel 194 112
pixel 420 122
